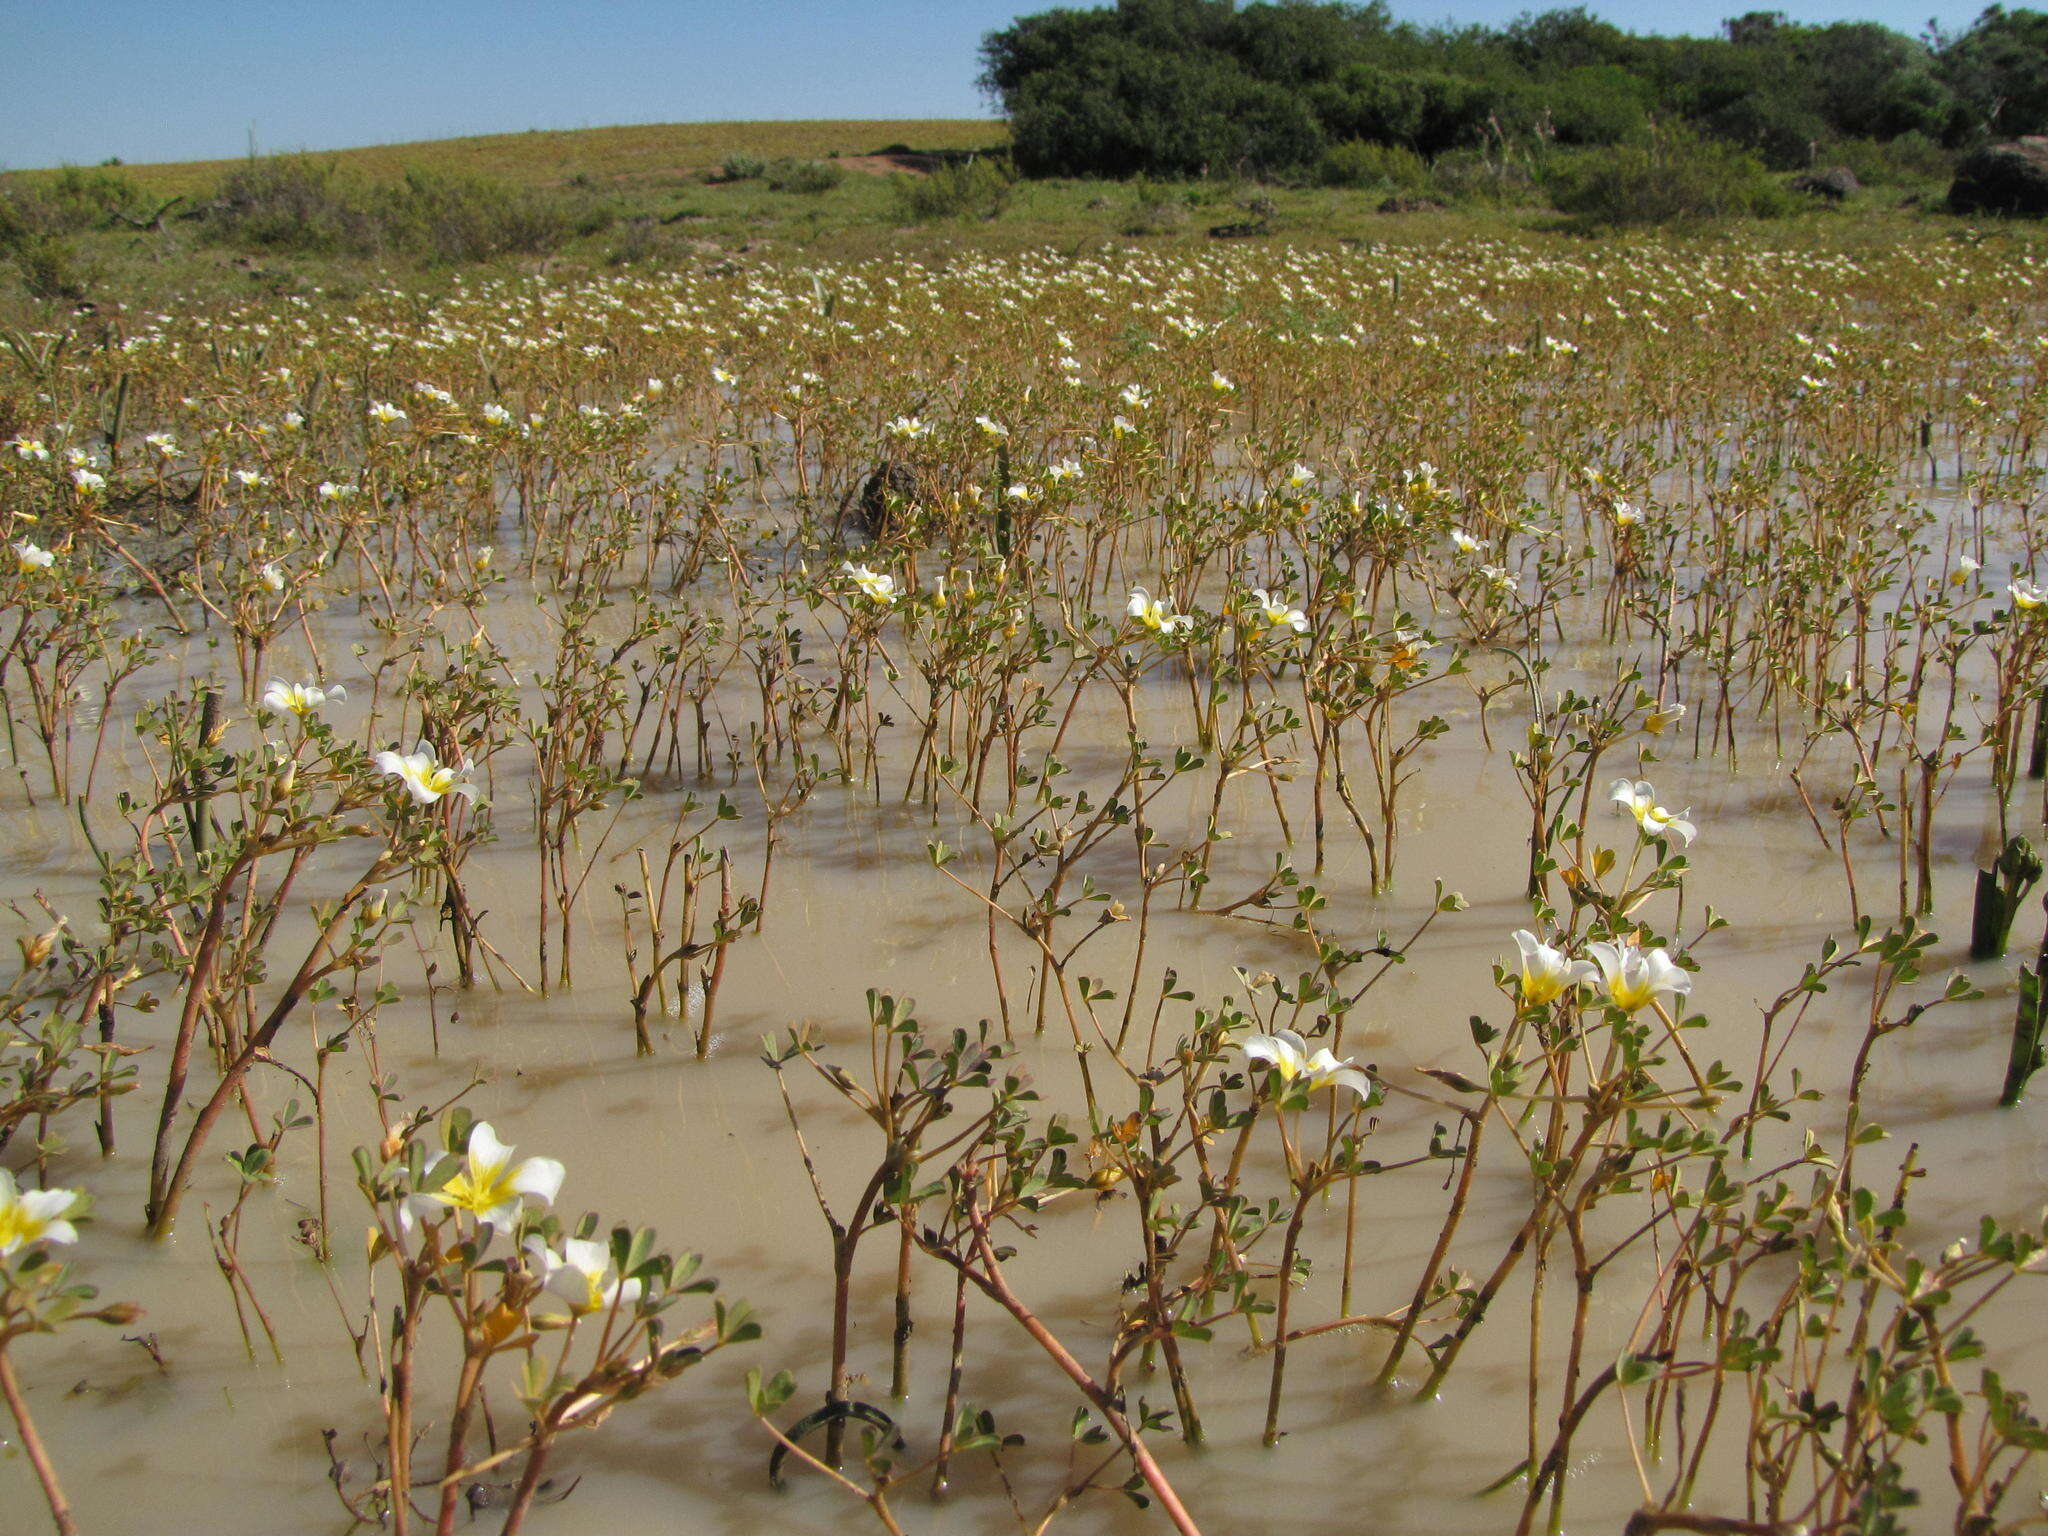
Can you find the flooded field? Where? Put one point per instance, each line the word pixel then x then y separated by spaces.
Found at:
pixel 1083 894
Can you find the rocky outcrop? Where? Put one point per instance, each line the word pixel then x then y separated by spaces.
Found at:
pixel 2003 178
pixel 1835 184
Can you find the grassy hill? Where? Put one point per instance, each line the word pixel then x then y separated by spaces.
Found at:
pixel 656 197
pixel 647 155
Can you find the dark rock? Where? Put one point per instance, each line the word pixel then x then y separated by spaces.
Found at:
pixel 1403 202
pixel 1836 183
pixel 2003 178
pixel 1240 231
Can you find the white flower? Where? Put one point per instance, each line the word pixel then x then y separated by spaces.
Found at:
pixel 89 482
pixel 724 376
pixel 486 1185
pixel 1640 801
pixel 876 585
pixel 328 490
pixel 34 1217
pixel 1546 973
pixel 1136 396
pixel 1966 567
pixel 1065 469
pixel 301 698
pixel 582 1276
pixel 425 779
pixel 1120 426
pixel 1634 977
pixel 385 412
pixel 1406 649
pixel 1466 544
pixel 248 479
pixel 908 429
pixel 1625 515
pixel 496 415
pixel 1275 613
pixel 30 448
pixel 272 576
pixel 1154 615
pixel 1220 384
pixel 1500 576
pixel 30 557
pixel 2025 595
pixel 1288 1055
pixel 1301 477
pixel 1661 718
pixel 991 426
pixel 163 443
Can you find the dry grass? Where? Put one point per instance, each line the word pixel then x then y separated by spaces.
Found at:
pixel 648 154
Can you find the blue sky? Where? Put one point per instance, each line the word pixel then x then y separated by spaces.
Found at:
pixel 81 80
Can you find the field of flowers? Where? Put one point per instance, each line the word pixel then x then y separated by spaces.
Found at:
pixel 1366 886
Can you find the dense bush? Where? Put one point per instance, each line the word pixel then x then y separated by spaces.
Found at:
pixel 1481 176
pixel 742 166
pixel 301 204
pixel 65 201
pixel 971 189
pixel 1676 175
pixel 1908 160
pixel 809 176
pixel 1153 209
pixel 1360 164
pixel 39 213
pixel 1184 88
pixel 292 203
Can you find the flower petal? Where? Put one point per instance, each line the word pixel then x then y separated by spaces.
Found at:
pixel 539 1178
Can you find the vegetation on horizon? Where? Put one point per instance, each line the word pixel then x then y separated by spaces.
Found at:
pixel 1181 88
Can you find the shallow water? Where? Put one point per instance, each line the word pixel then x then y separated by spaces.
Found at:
pixel 228 1440
pixel 223 1441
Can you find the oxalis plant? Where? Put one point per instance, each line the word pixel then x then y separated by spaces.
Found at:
pixel 40 1296
pixel 1130 588
pixel 569 1319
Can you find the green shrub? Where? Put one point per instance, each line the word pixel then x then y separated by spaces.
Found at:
pixel 292 203
pixel 1593 104
pixel 640 241
pixel 296 203
pixel 742 166
pixel 973 189
pixel 1678 175
pixel 449 218
pixel 1908 160
pixel 65 201
pixel 51 268
pixel 1478 176
pixel 807 176
pixel 1366 166
pixel 1153 208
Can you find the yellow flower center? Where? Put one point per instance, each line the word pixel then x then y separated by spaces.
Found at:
pixel 17 1226
pixel 479 1188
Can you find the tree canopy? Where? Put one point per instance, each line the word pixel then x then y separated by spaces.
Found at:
pixel 1180 88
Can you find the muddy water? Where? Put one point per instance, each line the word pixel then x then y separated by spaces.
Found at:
pixel 228 1441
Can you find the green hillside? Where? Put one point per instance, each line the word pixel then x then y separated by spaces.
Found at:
pixel 647 154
